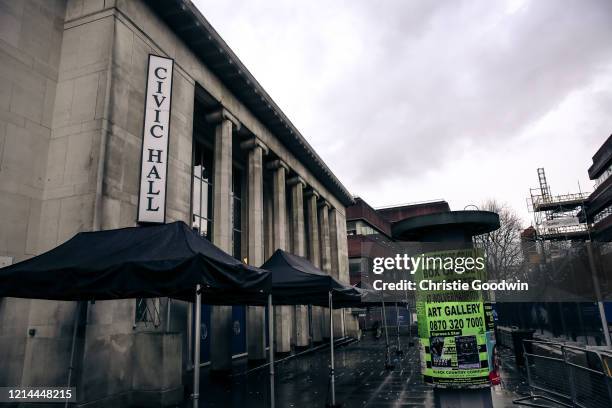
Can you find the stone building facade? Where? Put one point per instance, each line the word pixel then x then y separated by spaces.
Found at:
pixel 72 102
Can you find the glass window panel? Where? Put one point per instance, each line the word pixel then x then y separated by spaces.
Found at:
pixel 204 201
pixel 202 190
pixel 207 160
pixel 237 221
pixel 237 183
pixel 208 211
pixel 196 196
pixel 205 228
pixel 236 241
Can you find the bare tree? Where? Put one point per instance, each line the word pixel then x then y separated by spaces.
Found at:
pixel 503 246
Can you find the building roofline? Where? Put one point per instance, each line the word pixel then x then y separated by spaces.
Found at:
pixel 200 36
pixel 416 203
pixel 601 159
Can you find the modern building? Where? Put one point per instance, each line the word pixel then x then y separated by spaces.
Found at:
pixel 577 216
pixel 370 234
pixel 76 76
pixel 599 208
pixel 365 224
pixel 573 230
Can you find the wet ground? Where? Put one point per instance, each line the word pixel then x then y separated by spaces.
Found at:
pixel 361 381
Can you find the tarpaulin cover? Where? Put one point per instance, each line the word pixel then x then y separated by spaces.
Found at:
pixel 166 260
pixel 296 281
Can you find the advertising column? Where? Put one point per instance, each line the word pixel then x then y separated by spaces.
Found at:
pixel 452 322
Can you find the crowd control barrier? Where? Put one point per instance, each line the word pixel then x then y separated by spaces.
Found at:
pixel 567 375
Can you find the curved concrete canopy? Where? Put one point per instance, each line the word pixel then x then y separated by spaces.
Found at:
pixel 445 226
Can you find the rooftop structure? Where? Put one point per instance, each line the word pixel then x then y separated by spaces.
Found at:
pixel 556 216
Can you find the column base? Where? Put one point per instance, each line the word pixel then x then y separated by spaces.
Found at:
pixel 220 374
pixel 256 362
pixel 281 354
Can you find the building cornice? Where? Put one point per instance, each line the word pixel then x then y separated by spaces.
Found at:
pixel 197 33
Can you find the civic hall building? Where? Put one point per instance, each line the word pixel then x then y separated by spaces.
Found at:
pixel 77 78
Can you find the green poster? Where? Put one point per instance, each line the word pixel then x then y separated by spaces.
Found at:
pixel 452 324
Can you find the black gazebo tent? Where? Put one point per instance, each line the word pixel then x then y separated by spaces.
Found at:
pixel 168 260
pixel 296 281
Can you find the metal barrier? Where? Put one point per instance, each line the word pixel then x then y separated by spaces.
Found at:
pixel 568 375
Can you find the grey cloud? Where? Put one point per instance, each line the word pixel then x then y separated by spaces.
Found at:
pixel 411 83
pixel 464 85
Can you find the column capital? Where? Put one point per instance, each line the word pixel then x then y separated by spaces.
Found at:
pixel 311 193
pixel 296 180
pixel 324 203
pixel 253 143
pixel 223 114
pixel 277 164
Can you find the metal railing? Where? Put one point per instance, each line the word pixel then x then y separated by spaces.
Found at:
pixel 562 230
pixel 148 312
pixel 559 199
pixel 567 375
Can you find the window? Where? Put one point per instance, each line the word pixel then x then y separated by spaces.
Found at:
pixel 202 193
pixel 602 214
pixel 360 228
pixel 603 177
pixel 147 312
pixel 355 266
pixel 236 212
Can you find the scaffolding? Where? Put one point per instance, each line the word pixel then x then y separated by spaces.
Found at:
pixel 557 217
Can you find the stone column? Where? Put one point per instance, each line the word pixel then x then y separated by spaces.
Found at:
pixel 326 262
pixel 256 326
pixel 282 314
pixel 325 256
pixel 314 255
pixel 221 316
pixel 337 262
pixel 301 329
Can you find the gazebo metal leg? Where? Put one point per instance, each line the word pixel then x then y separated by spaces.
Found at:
pixel 332 375
pixel 388 365
pixel 399 350
pixel 77 314
pixel 196 348
pixel 271 349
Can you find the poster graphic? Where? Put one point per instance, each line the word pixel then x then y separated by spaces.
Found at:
pixel 467 352
pixel 440 356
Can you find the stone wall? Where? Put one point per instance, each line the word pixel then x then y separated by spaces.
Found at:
pixel 30 47
pixel 71 113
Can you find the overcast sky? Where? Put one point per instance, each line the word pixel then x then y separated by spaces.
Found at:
pixel 462 100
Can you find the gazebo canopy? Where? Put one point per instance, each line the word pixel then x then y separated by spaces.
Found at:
pixel 166 260
pixel 296 281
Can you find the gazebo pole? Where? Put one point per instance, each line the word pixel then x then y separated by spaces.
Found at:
pixel 168 312
pixel 332 375
pixel 410 344
pixel 271 348
pixel 388 365
pixel 77 314
pixel 196 348
pixel 310 336
pixel 399 350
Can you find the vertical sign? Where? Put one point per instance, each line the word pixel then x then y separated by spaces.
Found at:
pixel 156 132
